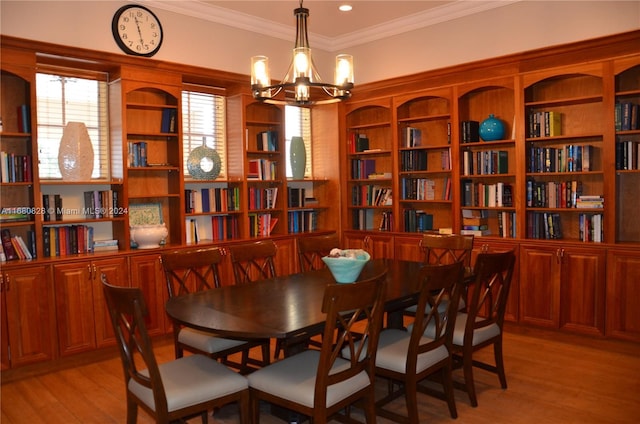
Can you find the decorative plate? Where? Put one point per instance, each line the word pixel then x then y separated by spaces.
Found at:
pixel 204 163
pixel 145 214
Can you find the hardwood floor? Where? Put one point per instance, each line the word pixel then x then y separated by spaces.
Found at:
pixel 553 378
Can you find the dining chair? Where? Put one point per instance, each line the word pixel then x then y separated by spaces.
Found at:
pixel 174 390
pixel 482 323
pixel 320 383
pixel 442 249
pixel 253 261
pixel 406 358
pixel 188 271
pixel 311 249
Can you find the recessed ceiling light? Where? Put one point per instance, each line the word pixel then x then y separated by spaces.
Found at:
pixel 345 7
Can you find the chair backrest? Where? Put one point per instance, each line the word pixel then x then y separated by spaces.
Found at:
pixel 187 271
pixel 437 285
pixel 253 261
pixel 442 249
pixel 312 248
pixel 128 311
pixel 489 291
pixel 355 312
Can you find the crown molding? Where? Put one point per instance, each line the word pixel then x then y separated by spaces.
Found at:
pixel 269 28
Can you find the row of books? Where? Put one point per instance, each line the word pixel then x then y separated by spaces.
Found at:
pixel 413 160
pixel 361 169
pixel 296 197
pixel 15 168
pixel 411 137
pixel 362 219
pixel 628 155
pixel 485 162
pixel 14 247
pixel 169 120
pixel 267 141
pixel 358 143
pixel 67 240
pixel 101 204
pixel 262 198
pixel 545 124
pixel 371 195
pixel 262 169
pixel 424 189
pixel 417 221
pixel 506 224
pixel 570 158
pixel 219 199
pixel 261 224
pixel 16 213
pixel 52 207
pixel 301 221
pixel 137 154
pixel 386 221
pixel 626 116
pixel 478 194
pixel 544 225
pixel 223 227
pixel 553 194
pixel 591 227
pixel 469 131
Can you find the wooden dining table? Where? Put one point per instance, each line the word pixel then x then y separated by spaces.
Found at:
pixel 286 307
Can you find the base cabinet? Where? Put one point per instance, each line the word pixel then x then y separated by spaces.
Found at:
pixel 379 246
pixel 623 292
pixel 563 287
pixel 28 317
pixel 83 320
pixel 146 273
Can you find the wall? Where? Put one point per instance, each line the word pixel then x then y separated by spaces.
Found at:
pixel 509 29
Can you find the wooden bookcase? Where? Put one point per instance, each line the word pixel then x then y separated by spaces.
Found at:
pixel 370 167
pixel 425 189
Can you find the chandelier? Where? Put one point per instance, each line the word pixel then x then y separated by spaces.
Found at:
pixel 302 84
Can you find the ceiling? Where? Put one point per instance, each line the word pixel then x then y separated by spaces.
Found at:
pixel 330 29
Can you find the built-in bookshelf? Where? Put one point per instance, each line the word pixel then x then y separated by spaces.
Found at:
pixel 424 161
pixel 565 163
pixel 627 136
pixel 487 169
pixel 370 183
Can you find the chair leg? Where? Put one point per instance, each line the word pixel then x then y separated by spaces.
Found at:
pixel 246 409
pixel 497 352
pixel 468 378
pixel 254 408
pixel 132 411
pixel 205 417
pixel 411 399
pixel 447 384
pixel 369 405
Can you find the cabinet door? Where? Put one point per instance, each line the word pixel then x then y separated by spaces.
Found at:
pixel 147 274
pixel 582 290
pixel 116 271
pixel 408 248
pixel 623 292
pixel 539 286
pixel 74 306
pixel 30 317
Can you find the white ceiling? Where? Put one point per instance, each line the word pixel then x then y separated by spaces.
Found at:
pixel 330 29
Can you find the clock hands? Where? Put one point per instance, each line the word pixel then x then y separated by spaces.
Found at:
pixel 135 18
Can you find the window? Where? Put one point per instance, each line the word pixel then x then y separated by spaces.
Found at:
pixel 63 98
pixel 298 123
pixel 203 121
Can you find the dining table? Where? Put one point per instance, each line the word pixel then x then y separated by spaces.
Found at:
pixel 286 307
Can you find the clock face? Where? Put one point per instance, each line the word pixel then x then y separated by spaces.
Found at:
pixel 137 30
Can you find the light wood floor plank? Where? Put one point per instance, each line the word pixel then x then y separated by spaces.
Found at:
pixel 552 377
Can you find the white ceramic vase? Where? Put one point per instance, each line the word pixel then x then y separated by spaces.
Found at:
pixel 75 154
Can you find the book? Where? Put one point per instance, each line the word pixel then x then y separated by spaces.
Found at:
pixel 9 250
pixel 168 124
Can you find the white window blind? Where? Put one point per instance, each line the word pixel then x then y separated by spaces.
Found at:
pixel 203 120
pixel 63 98
pixel 298 123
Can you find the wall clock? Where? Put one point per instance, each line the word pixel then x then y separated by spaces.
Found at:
pixel 137 30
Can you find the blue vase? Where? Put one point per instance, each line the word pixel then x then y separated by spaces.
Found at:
pixel 491 129
pixel 297 158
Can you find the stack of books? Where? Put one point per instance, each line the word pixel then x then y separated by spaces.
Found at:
pixel 475 222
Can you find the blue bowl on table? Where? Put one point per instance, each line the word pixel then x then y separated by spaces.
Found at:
pixel 344 269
